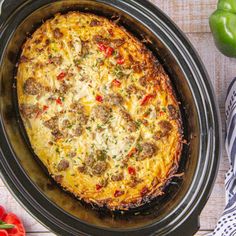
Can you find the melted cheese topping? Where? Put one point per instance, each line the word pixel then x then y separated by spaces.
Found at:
pixel 99 111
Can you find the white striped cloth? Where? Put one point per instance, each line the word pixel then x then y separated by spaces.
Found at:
pixel 226 226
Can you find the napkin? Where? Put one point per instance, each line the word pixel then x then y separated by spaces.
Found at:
pixel 226 226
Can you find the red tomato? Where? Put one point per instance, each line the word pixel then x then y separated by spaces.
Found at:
pixel 2 212
pixel 61 76
pixel 144 191
pixel 118 193
pixel 98 186
pixel 45 108
pixel 3 232
pixel 18 230
pixel 131 170
pixel 58 101
pixel 109 51
pixel 146 99
pixel 99 98
pixel 120 61
pixel 116 83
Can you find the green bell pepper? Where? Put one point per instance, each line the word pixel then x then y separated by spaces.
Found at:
pixel 223 27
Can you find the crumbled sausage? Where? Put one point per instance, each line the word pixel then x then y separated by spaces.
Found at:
pixel 118 42
pixel 100 39
pixel 32 87
pixel 78 131
pixel 89 160
pixel 82 118
pixel 64 88
pixel 131 125
pixel 158 135
pixel 63 165
pixel 101 155
pixel 132 89
pixel 99 168
pixel 65 124
pixel 38 40
pixel 115 99
pixel 77 106
pixel 57 134
pixel 143 81
pixel 137 68
pixel 165 126
pixel 47 42
pixel 57 33
pixel 95 22
pixel 131 59
pixel 82 169
pixel 58 178
pixel 126 116
pixel 134 181
pixel 52 123
pixel 147 151
pixel 72 154
pixel 57 60
pixel 24 59
pixel 85 48
pixel 28 110
pixel 101 112
pixel 117 177
pixel 173 112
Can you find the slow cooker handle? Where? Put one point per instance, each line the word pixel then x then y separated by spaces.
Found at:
pixel 189 228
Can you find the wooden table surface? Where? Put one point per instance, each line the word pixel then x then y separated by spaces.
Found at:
pixel 192 17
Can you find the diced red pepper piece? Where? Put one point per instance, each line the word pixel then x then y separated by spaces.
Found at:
pixel 109 51
pixel 147 99
pixel 120 61
pixel 110 31
pixel 116 83
pixel 61 76
pixel 132 152
pixel 144 191
pixel 118 193
pixel 45 107
pixel 38 114
pixel 99 98
pixel 131 170
pixel 58 101
pixel 102 47
pixel 98 186
pixel 161 113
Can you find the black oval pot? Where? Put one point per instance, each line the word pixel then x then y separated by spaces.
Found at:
pixel 176 213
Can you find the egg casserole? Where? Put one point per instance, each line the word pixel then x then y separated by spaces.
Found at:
pixel 99 111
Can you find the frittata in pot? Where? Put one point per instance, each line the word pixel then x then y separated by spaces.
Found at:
pixel 99 111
